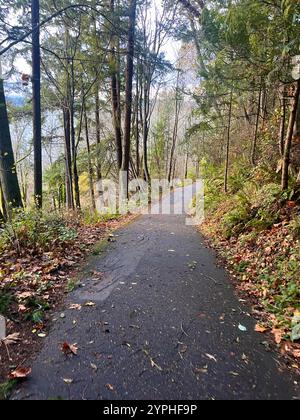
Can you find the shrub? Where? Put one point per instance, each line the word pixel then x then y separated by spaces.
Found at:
pixel 35 230
pixel 90 217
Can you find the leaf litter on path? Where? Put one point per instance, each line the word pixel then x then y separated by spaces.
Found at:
pixel 20 373
pixel 68 349
pixel 211 357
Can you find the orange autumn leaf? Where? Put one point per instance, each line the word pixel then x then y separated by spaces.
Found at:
pixel 260 328
pixel 69 348
pixel 278 334
pixel 20 373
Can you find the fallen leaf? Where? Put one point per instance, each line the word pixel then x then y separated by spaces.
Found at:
pixel 211 357
pixel 90 304
pixel 278 334
pixel 24 295
pixel 201 370
pixel 110 387
pixel 20 373
pixel 94 367
pixel 97 274
pixel 69 348
pixel 296 353
pixel 260 328
pixel 234 373
pixel 76 306
pixel 11 339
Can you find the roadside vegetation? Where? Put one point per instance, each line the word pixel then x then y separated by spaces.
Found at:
pixel 40 261
pixel 255 228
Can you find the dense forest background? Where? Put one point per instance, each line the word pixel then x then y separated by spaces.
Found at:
pixel 111 99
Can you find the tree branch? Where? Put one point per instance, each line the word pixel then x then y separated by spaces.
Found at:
pixel 191 8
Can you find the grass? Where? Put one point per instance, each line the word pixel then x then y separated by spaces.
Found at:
pixel 6 299
pixel 6 389
pixel 100 247
pixel 72 285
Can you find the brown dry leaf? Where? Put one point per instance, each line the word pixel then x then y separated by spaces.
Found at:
pixel 97 274
pixel 11 339
pixel 76 306
pixel 278 334
pixel 110 387
pixel 183 349
pixel 260 328
pixel 69 348
pixel 201 370
pixel 20 373
pixel 296 353
pixel 24 295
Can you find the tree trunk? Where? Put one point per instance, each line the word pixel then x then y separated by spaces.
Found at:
pixel 282 121
pixel 228 143
pixel 289 138
pixel 254 145
pixel 145 150
pixel 128 88
pixel 8 173
pixel 137 126
pixel 36 103
pixel 90 166
pixel 115 93
pixel 68 160
pixel 186 165
pixel 73 139
pixel 98 136
pixel 4 214
pixel 175 130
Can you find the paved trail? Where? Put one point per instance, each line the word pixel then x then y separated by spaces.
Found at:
pixel 165 326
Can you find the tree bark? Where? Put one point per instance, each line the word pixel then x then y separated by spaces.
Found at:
pixel 73 138
pixel 289 138
pixel 254 145
pixel 282 121
pixel 90 166
pixel 8 173
pixel 98 135
pixel 228 143
pixel 36 103
pixel 175 129
pixel 128 88
pixel 68 160
pixel 115 94
pixel 137 125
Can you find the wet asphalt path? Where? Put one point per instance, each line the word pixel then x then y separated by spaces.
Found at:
pixel 165 325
